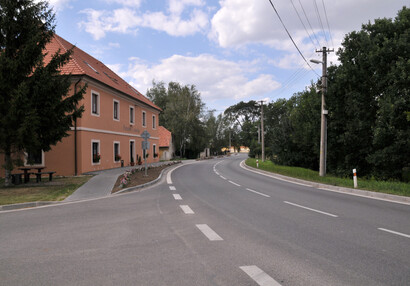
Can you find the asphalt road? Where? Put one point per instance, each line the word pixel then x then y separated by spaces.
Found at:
pixel 210 223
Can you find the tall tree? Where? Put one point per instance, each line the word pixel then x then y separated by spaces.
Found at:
pixel 35 108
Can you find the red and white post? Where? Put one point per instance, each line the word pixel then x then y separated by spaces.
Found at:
pixel 354 178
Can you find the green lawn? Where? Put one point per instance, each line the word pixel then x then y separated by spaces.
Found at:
pixel 388 187
pixel 57 190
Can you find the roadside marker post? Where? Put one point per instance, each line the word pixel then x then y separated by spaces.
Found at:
pixel 257 163
pixel 354 178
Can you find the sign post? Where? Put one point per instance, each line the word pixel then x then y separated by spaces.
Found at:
pixel 145 146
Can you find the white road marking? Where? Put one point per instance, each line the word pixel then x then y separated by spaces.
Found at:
pixel 394 232
pixel 313 210
pixel 172 188
pixel 259 276
pixel 262 194
pixel 209 232
pixel 216 173
pixel 177 197
pixel 223 177
pixel 186 209
pixel 234 183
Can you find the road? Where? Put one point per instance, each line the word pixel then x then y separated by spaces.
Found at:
pixel 210 223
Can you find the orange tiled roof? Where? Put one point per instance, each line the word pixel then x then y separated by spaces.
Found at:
pixel 82 63
pixel 164 137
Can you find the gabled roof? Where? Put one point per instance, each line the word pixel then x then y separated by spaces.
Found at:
pixel 164 137
pixel 82 63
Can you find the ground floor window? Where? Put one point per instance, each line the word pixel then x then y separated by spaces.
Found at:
pixel 96 156
pixel 35 157
pixel 117 156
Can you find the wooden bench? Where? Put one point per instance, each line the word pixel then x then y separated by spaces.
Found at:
pixel 16 178
pixel 38 176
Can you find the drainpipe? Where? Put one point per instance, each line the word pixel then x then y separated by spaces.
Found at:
pixel 75 133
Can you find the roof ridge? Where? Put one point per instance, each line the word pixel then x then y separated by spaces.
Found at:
pixel 57 37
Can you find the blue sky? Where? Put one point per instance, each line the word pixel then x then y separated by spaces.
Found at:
pixel 231 50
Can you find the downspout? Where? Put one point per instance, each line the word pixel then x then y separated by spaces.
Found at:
pixel 75 133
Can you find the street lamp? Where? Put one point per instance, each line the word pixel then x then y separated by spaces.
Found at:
pixel 323 124
pixel 262 132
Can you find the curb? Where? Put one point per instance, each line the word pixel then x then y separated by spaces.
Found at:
pixel 26 205
pixel 330 188
pixel 134 188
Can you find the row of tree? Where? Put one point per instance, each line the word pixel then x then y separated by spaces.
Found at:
pixel 369 109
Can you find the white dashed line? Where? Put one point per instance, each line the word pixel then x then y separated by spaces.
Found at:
pixel 394 232
pixel 223 177
pixel 177 197
pixel 313 210
pixel 186 209
pixel 172 188
pixel 262 194
pixel 209 232
pixel 234 183
pixel 259 276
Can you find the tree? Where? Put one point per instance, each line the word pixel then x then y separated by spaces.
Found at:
pixel 35 108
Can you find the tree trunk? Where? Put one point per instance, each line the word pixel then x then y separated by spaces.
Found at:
pixel 8 168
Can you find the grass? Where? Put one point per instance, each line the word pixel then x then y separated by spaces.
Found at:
pixel 56 190
pixel 388 187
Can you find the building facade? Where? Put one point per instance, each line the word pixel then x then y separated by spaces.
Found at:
pixel 108 135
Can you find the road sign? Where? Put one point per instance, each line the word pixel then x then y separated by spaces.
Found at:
pixel 145 135
pixel 145 145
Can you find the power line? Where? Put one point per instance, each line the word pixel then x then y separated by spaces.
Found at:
pixel 327 21
pixel 307 19
pixel 294 7
pixel 292 38
pixel 320 21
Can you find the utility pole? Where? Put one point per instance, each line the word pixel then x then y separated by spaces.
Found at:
pixel 323 122
pixel 262 131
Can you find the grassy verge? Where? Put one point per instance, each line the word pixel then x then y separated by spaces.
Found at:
pixel 57 190
pixel 388 187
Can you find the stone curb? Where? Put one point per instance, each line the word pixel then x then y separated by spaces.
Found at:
pixel 344 190
pixel 134 188
pixel 26 205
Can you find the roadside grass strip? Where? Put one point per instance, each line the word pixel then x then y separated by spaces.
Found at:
pixel 186 209
pixel 394 232
pixel 310 209
pixel 259 276
pixel 177 197
pixel 209 232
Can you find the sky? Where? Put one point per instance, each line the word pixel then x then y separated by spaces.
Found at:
pixel 231 50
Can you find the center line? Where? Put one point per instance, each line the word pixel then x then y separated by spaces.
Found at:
pixel 262 194
pixel 172 188
pixel 259 276
pixel 209 232
pixel 234 183
pixel 394 232
pixel 313 210
pixel 186 209
pixel 223 177
pixel 177 197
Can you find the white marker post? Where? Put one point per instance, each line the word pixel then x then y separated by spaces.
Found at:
pixel 354 179
pixel 257 163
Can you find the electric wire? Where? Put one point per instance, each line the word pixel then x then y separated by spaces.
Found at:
pixel 283 24
pixel 328 26
pixel 307 19
pixel 320 21
pixel 294 7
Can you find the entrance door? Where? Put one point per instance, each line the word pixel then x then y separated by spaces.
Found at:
pixel 132 151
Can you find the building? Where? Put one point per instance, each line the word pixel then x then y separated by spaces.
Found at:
pixel 166 146
pixel 109 133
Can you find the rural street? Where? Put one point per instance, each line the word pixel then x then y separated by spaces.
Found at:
pixel 210 223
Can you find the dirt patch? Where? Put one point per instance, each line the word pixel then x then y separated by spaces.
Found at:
pixel 137 177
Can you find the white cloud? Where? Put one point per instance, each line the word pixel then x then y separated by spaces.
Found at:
pixel 130 3
pixel 216 79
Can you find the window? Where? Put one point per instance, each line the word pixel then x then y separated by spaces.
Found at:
pixel 95 151
pixel 144 123
pixel 95 103
pixel 131 115
pixel 35 157
pixel 117 156
pixel 116 110
pixel 154 123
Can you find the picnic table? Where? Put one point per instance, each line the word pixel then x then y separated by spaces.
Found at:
pixel 27 173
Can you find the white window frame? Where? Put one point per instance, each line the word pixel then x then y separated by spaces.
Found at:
pixel 144 119
pixel 98 103
pixel 154 122
pixel 119 151
pixel 34 165
pixel 118 109
pixel 99 151
pixel 133 115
